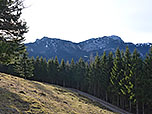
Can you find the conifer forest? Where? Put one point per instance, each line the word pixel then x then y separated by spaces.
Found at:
pixel 123 79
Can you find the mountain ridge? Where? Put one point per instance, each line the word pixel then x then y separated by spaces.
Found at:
pixel 45 37
pixel 51 47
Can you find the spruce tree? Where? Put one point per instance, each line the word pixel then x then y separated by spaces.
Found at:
pixel 56 70
pixel 62 73
pixel 126 82
pixel 80 74
pixel 97 76
pixel 37 68
pixel 147 79
pixel 44 73
pixel 117 74
pixel 24 66
pixel 89 76
pixel 86 79
pixel 110 66
pixel 50 67
pixel 12 29
pixel 138 76
pixel 104 78
pixel 68 73
pixel 72 74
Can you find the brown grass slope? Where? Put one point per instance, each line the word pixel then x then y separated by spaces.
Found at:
pixel 20 96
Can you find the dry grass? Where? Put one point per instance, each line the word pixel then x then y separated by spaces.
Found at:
pixel 20 96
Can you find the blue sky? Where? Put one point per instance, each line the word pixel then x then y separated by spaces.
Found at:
pixel 79 20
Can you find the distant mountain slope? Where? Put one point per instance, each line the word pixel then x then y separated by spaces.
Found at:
pixel 20 96
pixel 51 47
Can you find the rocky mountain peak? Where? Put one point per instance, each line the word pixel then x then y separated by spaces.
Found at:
pixel 115 37
pixel 51 47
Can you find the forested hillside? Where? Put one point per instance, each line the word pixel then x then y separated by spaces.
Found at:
pixel 123 79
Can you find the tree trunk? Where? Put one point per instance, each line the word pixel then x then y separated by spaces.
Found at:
pixel 130 106
pixel 63 82
pixel 137 111
pixel 143 108
pixel 94 91
pixel 122 102
pixel 78 85
pixel 113 99
pixel 117 100
pixel 98 92
pixel 106 96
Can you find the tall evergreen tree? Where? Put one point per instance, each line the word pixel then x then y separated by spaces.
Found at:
pixel 62 73
pixel 109 70
pixel 50 67
pixel 56 70
pixel 86 79
pixel 126 82
pixel 37 68
pixel 12 29
pixel 68 74
pixel 80 74
pixel 72 74
pixel 104 78
pixel 147 99
pixel 43 69
pixel 137 69
pixel 117 74
pixel 24 66
pixel 90 79
pixel 97 76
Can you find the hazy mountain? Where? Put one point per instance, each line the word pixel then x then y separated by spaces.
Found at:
pixel 51 47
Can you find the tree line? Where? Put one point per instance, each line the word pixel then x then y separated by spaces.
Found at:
pixel 123 79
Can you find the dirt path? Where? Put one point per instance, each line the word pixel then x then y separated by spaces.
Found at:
pixel 106 104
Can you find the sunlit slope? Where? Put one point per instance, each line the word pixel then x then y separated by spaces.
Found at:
pixel 20 96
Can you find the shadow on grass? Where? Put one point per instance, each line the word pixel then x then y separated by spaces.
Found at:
pixel 46 92
pixel 86 100
pixel 65 91
pixel 11 103
pixel 82 98
pixel 41 87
